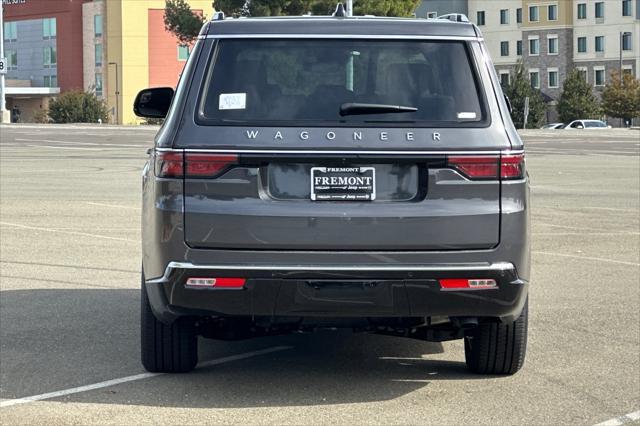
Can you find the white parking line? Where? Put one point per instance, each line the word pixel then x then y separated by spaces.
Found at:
pixel 107 383
pixel 598 259
pixel 86 234
pixel 112 205
pixel 622 419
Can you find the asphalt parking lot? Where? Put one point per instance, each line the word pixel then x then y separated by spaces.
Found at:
pixel 69 300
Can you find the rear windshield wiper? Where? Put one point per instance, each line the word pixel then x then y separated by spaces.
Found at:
pixel 360 109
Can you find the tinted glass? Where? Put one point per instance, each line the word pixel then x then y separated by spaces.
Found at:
pixel 271 81
pixel 594 124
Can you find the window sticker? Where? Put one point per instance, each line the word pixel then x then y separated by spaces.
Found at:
pixel 466 115
pixel 232 101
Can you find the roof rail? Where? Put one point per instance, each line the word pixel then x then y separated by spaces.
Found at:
pixel 455 17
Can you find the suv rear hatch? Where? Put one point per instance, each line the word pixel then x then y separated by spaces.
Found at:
pixel 337 145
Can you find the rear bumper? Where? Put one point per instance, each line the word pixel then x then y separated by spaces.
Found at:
pixel 339 291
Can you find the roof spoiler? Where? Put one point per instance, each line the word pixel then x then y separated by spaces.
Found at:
pixel 454 17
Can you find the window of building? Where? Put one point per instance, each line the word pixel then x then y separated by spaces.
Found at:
pixel 504 48
pixel 534 46
pixel 519 15
pixel 519 47
pixel 49 28
pixel 582 71
pixel 504 16
pixel 582 11
pixel 183 53
pixel 599 76
pixel 97 25
pixel 626 7
pixel 50 81
pixel 432 15
pixel 552 74
pixel 533 14
pixel 599 9
pixel 552 12
pixel 480 17
pixel 10 31
pixel 627 69
pixel 98 52
pixel 582 44
pixel 552 45
pixel 504 78
pixel 534 78
pixel 98 84
pixel 626 41
pixel 12 59
pixel 599 43
pixel 49 57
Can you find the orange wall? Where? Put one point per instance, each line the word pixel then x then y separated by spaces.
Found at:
pixel 164 67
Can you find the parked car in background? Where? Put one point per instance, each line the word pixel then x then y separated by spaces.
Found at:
pixel 553 126
pixel 587 124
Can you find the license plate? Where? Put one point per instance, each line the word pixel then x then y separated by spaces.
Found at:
pixel 343 183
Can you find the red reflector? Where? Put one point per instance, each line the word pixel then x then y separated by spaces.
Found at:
pixel 467 283
pixel 209 165
pixel 237 283
pixel 454 283
pixel 512 166
pixel 229 282
pixel 476 167
pixel 169 164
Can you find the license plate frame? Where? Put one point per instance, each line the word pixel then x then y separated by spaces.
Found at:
pixel 343 183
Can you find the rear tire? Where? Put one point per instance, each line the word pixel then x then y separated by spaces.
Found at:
pixel 166 348
pixel 497 348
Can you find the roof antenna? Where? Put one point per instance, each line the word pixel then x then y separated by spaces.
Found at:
pixel 339 13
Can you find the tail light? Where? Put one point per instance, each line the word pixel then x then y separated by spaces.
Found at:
pixel 512 166
pixel 488 166
pixel 475 167
pixel 198 165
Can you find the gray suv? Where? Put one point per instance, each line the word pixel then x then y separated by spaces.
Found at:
pixel 335 172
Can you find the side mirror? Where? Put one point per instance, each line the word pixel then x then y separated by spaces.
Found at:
pixel 609 127
pixel 153 103
pixel 579 126
pixel 508 101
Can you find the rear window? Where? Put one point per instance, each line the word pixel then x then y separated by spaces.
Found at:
pixel 306 82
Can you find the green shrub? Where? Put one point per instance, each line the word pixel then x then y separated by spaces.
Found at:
pixel 78 107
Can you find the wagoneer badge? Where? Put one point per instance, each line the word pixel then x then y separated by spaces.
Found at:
pixel 330 135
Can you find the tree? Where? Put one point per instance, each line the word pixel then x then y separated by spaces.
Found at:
pixel 316 7
pixel 577 100
pixel 621 96
pixel 181 21
pixel 520 88
pixel 78 107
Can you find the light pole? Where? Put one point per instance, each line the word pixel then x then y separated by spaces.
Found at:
pixel 4 114
pixel 349 7
pixel 117 92
pixel 622 36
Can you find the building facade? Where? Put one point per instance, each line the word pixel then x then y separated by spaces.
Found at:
pixel 553 37
pixel 113 48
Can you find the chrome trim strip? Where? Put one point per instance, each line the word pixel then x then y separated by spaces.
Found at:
pixel 347 36
pixel 498 267
pixel 368 152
